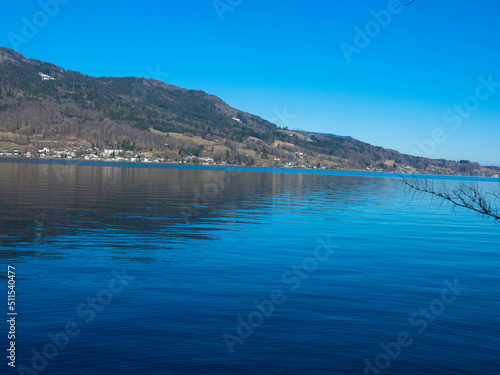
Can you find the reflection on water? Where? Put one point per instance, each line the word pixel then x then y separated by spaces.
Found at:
pixel 204 245
pixel 42 203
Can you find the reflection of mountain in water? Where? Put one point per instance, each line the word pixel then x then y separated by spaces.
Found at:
pixel 133 211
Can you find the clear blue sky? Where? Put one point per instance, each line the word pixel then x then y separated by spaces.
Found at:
pixel 265 56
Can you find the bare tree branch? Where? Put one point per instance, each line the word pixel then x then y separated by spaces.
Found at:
pixel 469 196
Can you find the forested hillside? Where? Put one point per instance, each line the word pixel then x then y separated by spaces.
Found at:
pixel 41 102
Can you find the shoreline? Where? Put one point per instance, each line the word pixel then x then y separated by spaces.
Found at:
pixel 291 170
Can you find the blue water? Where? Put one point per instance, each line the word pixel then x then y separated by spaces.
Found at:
pixel 244 272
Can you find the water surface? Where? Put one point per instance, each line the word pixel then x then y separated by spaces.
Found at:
pixel 204 246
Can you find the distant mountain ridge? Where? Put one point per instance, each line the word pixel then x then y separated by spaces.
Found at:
pixel 40 101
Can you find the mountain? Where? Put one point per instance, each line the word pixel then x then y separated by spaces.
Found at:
pixel 41 102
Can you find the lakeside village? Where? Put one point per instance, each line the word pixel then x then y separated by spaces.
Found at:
pixel 87 153
pixel 118 155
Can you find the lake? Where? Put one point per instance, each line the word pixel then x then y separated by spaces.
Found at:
pixel 125 270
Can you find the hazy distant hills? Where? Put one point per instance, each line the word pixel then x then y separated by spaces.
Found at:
pixel 41 102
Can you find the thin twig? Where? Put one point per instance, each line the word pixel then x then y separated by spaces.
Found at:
pixel 470 196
